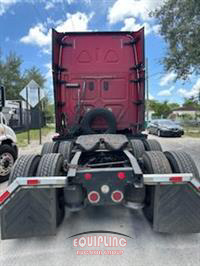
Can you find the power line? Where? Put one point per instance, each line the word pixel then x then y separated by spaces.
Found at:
pixel 155 74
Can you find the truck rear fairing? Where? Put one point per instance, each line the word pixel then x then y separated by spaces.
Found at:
pixel 96 70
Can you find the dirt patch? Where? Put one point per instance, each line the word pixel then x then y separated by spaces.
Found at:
pixel 34 146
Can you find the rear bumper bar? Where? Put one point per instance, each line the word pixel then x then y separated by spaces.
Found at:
pixel 28 206
pixel 61 181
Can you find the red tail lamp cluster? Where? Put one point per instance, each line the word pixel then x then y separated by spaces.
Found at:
pixel 87 176
pixel 121 175
pixel 117 196
pixel 94 197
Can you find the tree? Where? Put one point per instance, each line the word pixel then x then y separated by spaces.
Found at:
pixel 161 109
pixel 191 102
pixel 173 105
pixel 11 77
pixel 14 81
pixel 152 104
pixel 35 74
pixel 1 68
pixel 49 110
pixel 180 27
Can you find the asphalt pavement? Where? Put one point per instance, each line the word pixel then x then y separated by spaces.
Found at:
pixel 144 248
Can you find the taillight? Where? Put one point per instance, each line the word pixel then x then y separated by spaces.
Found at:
pixel 176 179
pixel 88 176
pixel 33 182
pixel 4 196
pixel 94 197
pixel 117 196
pixel 121 175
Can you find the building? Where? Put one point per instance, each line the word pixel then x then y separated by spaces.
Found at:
pixel 19 118
pixel 189 112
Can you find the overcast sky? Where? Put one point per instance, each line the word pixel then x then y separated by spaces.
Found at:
pixel 25 27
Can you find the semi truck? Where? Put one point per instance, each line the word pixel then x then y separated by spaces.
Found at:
pixel 100 155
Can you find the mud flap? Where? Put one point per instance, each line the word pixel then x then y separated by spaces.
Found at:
pixel 176 209
pixel 30 212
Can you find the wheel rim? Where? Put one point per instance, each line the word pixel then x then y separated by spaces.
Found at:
pixel 158 133
pixel 6 163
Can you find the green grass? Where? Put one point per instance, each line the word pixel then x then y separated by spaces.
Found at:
pixel 192 132
pixel 22 139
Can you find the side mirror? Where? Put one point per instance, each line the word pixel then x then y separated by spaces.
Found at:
pixel 2 97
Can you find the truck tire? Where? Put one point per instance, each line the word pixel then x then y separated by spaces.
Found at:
pixel 49 147
pixel 51 165
pixel 154 162
pixel 25 166
pixel 65 148
pixel 152 145
pixel 181 162
pixel 8 156
pixel 86 124
pixel 137 148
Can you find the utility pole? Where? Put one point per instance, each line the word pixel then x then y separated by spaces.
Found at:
pixel 27 116
pixel 199 96
pixel 40 113
pixel 147 88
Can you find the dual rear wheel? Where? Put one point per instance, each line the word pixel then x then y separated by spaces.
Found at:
pixel 49 163
pixel 63 147
pixel 138 147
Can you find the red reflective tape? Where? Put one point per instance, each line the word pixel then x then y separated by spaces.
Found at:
pixel 4 196
pixel 33 182
pixel 176 179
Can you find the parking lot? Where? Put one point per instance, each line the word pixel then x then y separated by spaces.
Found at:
pixel 145 247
